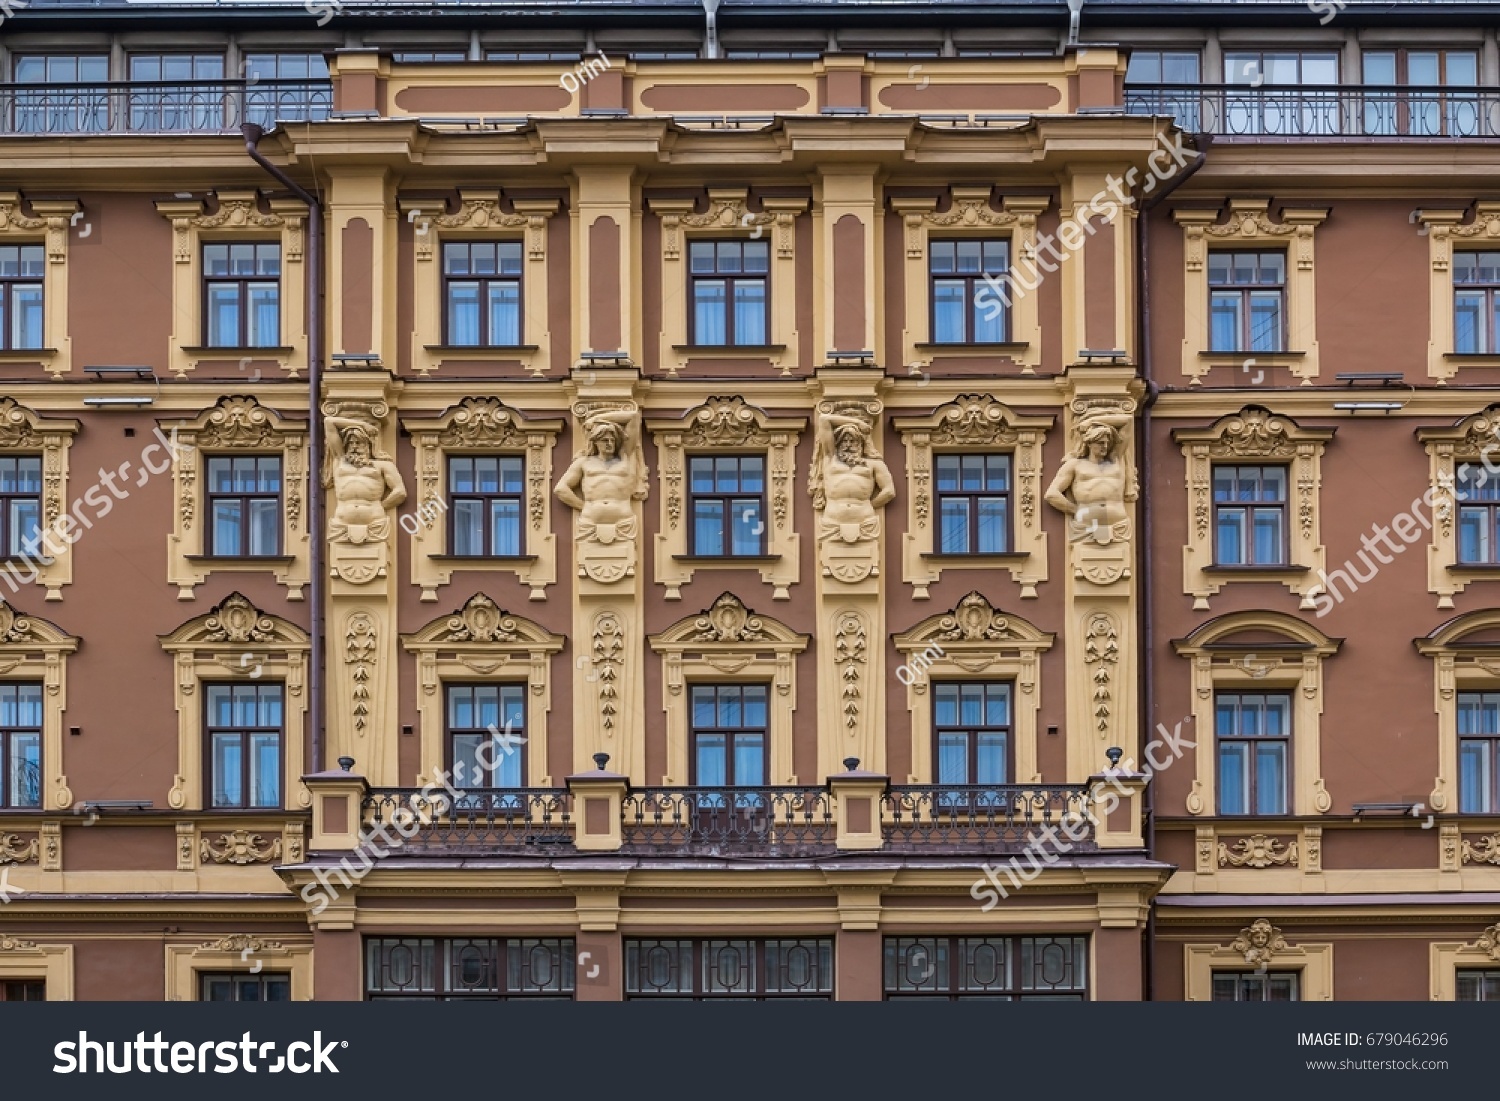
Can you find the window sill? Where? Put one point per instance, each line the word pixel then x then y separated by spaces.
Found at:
pixel 729 349
pixel 1473 359
pixel 1477 569
pixel 1263 359
pixel 480 351
pixel 1003 558
pixel 26 560
pixel 11 354
pixel 727 559
pixel 473 559
pixel 246 560
pixel 1000 346
pixel 264 353
pixel 1258 571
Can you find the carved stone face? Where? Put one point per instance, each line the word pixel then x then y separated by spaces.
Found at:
pixel 357 450
pixel 607 445
pixel 849 447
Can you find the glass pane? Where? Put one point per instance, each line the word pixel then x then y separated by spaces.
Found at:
pixel 710 316
pixel 712 759
pixel 1265 321
pixel 505 527
pixel 223 315
pixel 468 526
pixel 228 781
pixel 748 526
pixel 953 520
pixel 708 527
pixel 993 526
pixel 1234 778
pixel 953 758
pixel 265 770
pixel 1267 536
pixel 227 528
pixel 992 754
pixel 1475 771
pixel 1468 322
pixel 463 314
pixel 749 312
pixel 948 311
pixel 1224 321
pixel 505 313
pixel 265 526
pixel 1270 778
pixel 1474 535
pixel 749 760
pixel 26 317
pixel 1229 548
pixel 25 770
pixel 1380 67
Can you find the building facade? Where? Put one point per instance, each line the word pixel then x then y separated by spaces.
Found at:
pixel 857 503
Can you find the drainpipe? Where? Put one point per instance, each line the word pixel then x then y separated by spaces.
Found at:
pixel 315 498
pixel 1075 16
pixel 1147 622
pixel 711 36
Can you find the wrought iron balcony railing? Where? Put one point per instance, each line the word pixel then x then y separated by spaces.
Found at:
pixel 536 821
pixel 938 819
pixel 762 821
pixel 190 107
pixel 1354 111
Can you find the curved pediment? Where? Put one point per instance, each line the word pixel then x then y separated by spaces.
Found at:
pixel 974 621
pixel 1472 630
pixel 482 624
pixel 728 624
pixel 235 621
pixel 24 631
pixel 1256 628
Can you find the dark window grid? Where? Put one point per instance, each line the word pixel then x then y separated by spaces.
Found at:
pixel 1476 299
pixel 730 969
pixel 54 110
pixel 487 506
pixel 1005 968
pixel 1249 500
pixel 1255 986
pixel 739 714
pixel 964 307
pixel 463 968
pixel 254 483
pixel 244 735
pixel 272 986
pixel 492 711
pixel 954 719
pixel 741 269
pixel 1479 752
pixel 1243 719
pixel 245 278
pixel 21 746
pixel 23 990
pixel 1429 115
pixel 1247 301
pixel 1477 984
pixel 22 275
pixel 727 503
pixel 973 503
pixel 482 284
pixel 1478 516
pixel 20 503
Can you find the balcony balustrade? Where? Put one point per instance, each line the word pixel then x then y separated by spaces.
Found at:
pixel 192 107
pixel 1355 111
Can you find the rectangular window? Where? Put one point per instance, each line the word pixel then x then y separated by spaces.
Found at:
pixel 482 293
pixel 1478 984
pixel 491 969
pixel 733 970
pixel 245 731
pixel 966 309
pixel 1392 107
pixel 1478 516
pixel 1254 735
pixel 731 746
pixel 286 86
pixel 1246 301
pixel 486 497
pixel 22 268
pixel 727 495
pixel 1179 71
pixel 244 503
pixel 72 97
pixel 20 504
pixel 492 715
pixel 1277 92
pixel 1478 740
pixel 971 724
pixel 23 990
pixel 728 285
pixel 1027 969
pixel 177 92
pixel 1476 279
pixel 973 503
pixel 242 295
pixel 1254 986
pixel 1250 506
pixel 21 746
pixel 238 986
pixel 428 57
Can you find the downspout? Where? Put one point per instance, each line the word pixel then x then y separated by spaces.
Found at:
pixel 711 29
pixel 1147 624
pixel 315 498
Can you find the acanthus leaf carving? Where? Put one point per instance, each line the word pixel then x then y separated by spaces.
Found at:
pixel 481 620
pixel 1484 851
pixel 15 851
pixel 1101 653
pixel 607 649
pixel 974 619
pixel 1257 851
pixel 728 620
pixel 240 847
pixel 850 646
pixel 359 654
pixel 236 620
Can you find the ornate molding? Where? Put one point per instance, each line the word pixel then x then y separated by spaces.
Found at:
pixel 607 651
pixel 15 851
pixel 16 944
pixel 1259 942
pixel 360 636
pixel 241 944
pixel 240 847
pixel 1489 942
pixel 1257 851
pixel 479 210
pixel 1484 851
pixel 1101 653
pixel 728 209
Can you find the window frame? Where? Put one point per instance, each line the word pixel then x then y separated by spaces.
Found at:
pixel 7 536
pixel 7 983
pixel 730 733
pixel 1254 741
pixel 1245 294
pixel 972 283
pixel 212 499
pixel 450 732
pixel 956 952
pixel 1489 292
pixel 727 500
pixel 973 497
pixel 12 285
pixel 499 960
pixel 245 285
pixel 1220 974
pixel 973 731
pixel 1486 974
pixel 486 531
pixel 260 979
pixel 9 733
pixel 697 949
pixel 1251 507
pixel 246 734
pixel 1491 741
pixel 483 282
pixel 730 280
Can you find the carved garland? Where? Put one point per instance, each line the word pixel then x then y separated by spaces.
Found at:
pixel 1484 851
pixel 850 645
pixel 359 655
pixel 240 847
pixel 15 851
pixel 237 210
pixel 607 648
pixel 480 210
pixel 727 209
pixel 1101 653
pixel 1257 851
